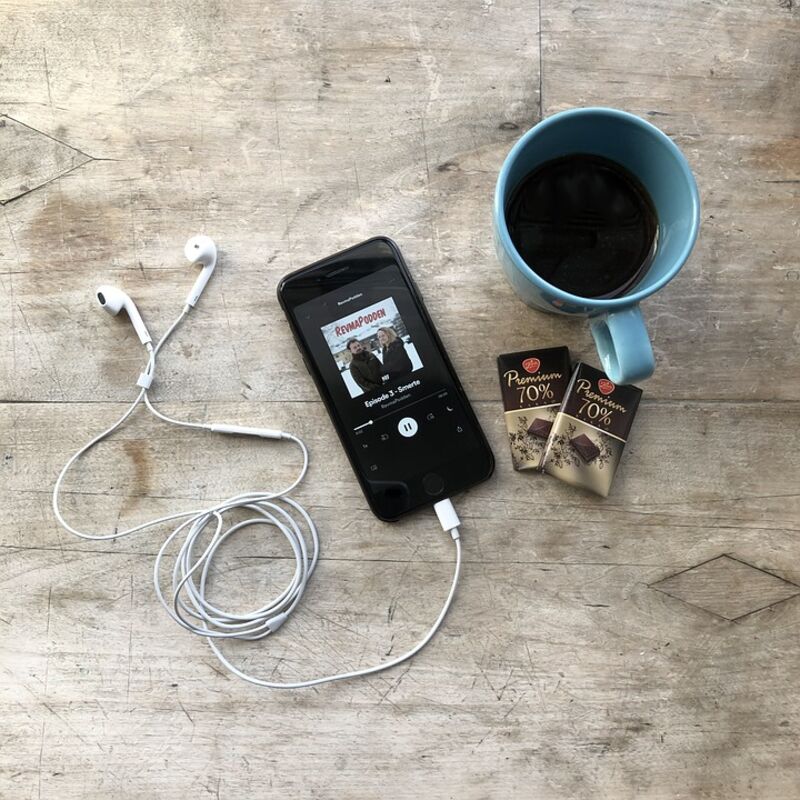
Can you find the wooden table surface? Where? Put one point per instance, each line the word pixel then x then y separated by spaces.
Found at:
pixel 645 645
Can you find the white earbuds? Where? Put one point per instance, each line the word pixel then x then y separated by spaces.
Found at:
pixel 200 250
pixel 115 300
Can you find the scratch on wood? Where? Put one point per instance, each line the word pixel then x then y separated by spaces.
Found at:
pixel 40 179
pixel 513 706
pixel 395 684
pixel 52 373
pixel 69 726
pixel 41 754
pixel 287 221
pixel 47 77
pixel 183 708
pixel 541 66
pixel 49 603
pixel 130 648
pixel 434 232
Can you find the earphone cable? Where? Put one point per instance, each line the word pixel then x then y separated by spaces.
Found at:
pixel 189 605
pixel 151 369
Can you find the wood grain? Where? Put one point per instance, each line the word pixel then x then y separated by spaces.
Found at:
pixel 288 130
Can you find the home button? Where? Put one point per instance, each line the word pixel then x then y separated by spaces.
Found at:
pixel 433 484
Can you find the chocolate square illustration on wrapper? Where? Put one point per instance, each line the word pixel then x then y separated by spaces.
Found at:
pixel 590 430
pixel 586 448
pixel 532 383
pixel 540 427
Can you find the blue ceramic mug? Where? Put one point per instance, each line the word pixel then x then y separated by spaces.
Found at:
pixel 623 343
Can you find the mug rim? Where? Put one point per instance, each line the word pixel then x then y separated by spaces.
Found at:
pixel 600 304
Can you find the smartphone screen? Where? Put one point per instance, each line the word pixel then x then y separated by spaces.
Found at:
pixel 389 387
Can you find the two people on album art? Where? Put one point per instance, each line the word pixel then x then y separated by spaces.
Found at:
pixel 371 347
pixel 368 371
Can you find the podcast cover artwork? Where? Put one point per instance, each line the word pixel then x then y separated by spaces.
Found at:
pixel 371 347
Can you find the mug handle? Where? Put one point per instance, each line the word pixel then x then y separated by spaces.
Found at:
pixel 623 345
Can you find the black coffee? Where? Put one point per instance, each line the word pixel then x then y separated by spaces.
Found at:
pixel 584 224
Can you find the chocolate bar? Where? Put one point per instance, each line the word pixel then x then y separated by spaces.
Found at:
pixel 590 430
pixel 533 383
pixel 586 448
pixel 540 427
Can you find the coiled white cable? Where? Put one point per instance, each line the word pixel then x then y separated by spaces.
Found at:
pixel 188 604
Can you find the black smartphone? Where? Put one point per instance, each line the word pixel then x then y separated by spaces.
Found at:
pixel 390 390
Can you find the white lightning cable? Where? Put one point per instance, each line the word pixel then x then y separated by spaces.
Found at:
pixel 188 603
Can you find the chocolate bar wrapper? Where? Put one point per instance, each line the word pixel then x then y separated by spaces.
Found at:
pixel 590 430
pixel 532 383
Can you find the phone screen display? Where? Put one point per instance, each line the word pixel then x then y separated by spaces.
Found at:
pixel 395 400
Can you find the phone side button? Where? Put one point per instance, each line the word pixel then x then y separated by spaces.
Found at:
pixel 433 484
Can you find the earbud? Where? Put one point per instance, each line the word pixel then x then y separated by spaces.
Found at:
pixel 115 300
pixel 200 250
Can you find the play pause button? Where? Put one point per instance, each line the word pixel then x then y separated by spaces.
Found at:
pixel 407 427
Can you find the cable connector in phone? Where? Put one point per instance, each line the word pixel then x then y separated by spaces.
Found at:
pixel 448 518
